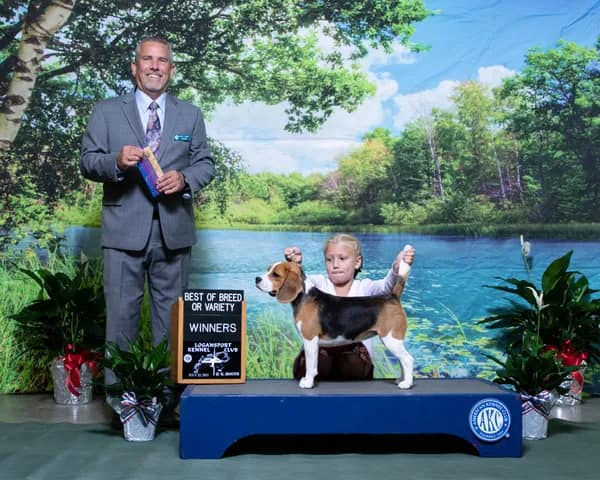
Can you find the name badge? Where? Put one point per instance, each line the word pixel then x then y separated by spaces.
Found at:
pixel 182 138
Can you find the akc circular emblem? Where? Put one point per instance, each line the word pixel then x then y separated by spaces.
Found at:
pixel 489 420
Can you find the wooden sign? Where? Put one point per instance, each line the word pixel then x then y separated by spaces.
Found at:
pixel 208 337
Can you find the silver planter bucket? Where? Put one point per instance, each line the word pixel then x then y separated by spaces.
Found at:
pixel 139 418
pixel 62 394
pixel 535 426
pixel 574 384
pixel 134 430
pixel 536 411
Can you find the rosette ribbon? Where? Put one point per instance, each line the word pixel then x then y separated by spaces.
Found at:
pixel 540 403
pixel 73 361
pixel 569 357
pixel 130 407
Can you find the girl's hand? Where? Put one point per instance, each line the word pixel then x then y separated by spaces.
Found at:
pixel 407 256
pixel 293 254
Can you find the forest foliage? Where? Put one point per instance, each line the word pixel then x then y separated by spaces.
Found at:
pixel 526 152
pixel 225 51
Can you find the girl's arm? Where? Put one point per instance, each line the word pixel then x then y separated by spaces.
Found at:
pixel 294 254
pixel 399 272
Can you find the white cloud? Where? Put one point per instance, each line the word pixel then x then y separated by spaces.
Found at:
pixel 256 131
pixel 294 155
pixel 493 76
pixel 416 105
pixel 399 55
pixel 413 106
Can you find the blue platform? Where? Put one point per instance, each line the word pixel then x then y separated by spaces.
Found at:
pixel 486 416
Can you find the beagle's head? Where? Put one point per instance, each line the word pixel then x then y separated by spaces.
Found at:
pixel 283 280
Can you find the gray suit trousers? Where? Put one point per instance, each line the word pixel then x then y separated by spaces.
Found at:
pixel 125 274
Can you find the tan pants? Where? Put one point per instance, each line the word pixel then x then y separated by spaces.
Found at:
pixel 344 362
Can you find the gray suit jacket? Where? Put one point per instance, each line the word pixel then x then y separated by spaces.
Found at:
pixel 127 205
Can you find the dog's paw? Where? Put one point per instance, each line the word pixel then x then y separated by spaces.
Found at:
pixel 307 382
pixel 405 384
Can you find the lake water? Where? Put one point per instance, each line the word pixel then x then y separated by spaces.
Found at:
pixel 444 297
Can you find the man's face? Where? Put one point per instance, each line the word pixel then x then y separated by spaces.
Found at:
pixel 152 69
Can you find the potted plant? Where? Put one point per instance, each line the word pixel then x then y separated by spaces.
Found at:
pixel 538 375
pixel 143 385
pixel 64 327
pixel 562 313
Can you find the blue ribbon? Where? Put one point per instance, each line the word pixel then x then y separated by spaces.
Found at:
pixel 130 406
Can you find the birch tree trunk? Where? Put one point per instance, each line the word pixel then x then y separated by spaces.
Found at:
pixel 438 184
pixel 499 170
pixel 34 39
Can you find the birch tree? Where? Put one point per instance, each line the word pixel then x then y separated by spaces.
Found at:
pixel 39 23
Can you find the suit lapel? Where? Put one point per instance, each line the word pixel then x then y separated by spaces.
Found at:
pixel 133 117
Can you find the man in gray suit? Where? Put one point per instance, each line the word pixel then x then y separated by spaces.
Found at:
pixel 146 237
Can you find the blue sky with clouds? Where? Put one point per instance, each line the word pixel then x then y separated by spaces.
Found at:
pixel 482 40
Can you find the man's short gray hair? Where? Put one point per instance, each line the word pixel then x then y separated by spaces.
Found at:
pixel 166 43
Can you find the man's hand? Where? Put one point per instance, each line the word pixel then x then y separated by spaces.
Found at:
pixel 129 156
pixel 171 182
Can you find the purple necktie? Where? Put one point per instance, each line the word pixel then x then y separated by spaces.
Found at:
pixel 153 128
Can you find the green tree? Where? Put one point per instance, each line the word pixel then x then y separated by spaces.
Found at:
pixel 555 110
pixel 262 50
pixel 361 181
pixel 26 28
pixel 296 188
pixel 411 170
pixel 446 143
pixel 255 50
pixel 474 115
pixel 229 166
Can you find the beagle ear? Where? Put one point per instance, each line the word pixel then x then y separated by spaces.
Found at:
pixel 293 283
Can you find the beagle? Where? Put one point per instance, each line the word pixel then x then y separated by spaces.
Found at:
pixel 324 319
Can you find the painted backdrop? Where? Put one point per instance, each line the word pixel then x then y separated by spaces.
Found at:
pixel 485 118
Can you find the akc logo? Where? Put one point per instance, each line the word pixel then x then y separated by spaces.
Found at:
pixel 490 420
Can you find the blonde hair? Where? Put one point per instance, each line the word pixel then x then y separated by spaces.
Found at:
pixel 349 241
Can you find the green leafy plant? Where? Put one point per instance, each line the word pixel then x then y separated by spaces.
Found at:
pixel 532 368
pixel 563 310
pixel 70 309
pixel 141 368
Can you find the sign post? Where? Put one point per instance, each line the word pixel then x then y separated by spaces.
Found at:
pixel 208 337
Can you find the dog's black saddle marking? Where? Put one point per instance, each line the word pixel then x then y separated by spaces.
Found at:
pixel 347 317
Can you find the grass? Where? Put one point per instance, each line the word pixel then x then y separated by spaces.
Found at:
pixel 19 371
pixel 272 346
pixel 273 341
pixel 448 347
pixel 83 212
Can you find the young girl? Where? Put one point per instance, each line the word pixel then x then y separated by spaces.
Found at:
pixel 343 261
